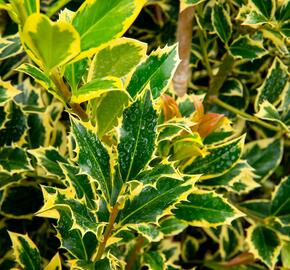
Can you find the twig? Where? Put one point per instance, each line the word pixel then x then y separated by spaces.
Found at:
pixel 135 252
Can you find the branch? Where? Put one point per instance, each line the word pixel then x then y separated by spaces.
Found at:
pixel 184 38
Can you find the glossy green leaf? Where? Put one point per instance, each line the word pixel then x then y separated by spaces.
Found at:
pixel 246 48
pixel 96 88
pixel 93 157
pixel 281 201
pixel 218 160
pixel 203 208
pixel 264 243
pixel 117 59
pixel 48 43
pixel 98 22
pixel 149 203
pixel 73 73
pixel 264 156
pixel 137 137
pixel 25 251
pixel 222 23
pixel 13 160
pixel 155 73
pixel 274 85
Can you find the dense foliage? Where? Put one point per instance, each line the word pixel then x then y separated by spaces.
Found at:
pixel 105 165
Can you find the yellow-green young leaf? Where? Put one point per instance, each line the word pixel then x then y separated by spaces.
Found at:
pixel 188 3
pixel 117 59
pixel 137 137
pixel 99 22
pixel 93 157
pixel 281 201
pixel 155 73
pixel 264 243
pixel 7 92
pixel 96 88
pixel 274 85
pixel 25 251
pixel 108 108
pixel 48 43
pixel 268 112
pixel 205 209
pixel 222 22
pixel 10 46
pixel 218 160
pixel 246 48
pixel 154 260
pixel 24 8
pixel 285 255
pixel 55 263
pixel 264 156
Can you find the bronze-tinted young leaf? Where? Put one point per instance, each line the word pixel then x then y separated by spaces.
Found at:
pixel 137 137
pixel 204 208
pixel 93 157
pixel 264 243
pixel 155 72
pixel 25 251
pixel 281 201
pixel 218 160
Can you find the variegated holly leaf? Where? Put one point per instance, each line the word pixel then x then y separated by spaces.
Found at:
pixel 239 179
pixel 205 209
pixel 57 199
pixel 246 48
pixel 155 73
pixel 98 22
pixel 25 251
pixel 189 248
pixel 268 112
pixel 257 207
pixel 274 85
pixel 93 157
pixel 148 203
pixel 264 156
pixel 137 137
pixel 55 263
pixel 264 243
pixel 281 201
pixel 13 160
pixel 154 260
pixel 218 160
pixel 221 22
pixel 117 59
pixel 189 3
pixel 171 226
pixel 149 231
pixel 10 46
pixel 7 92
